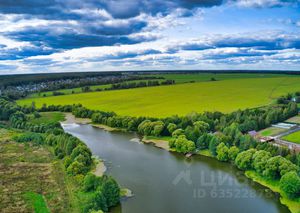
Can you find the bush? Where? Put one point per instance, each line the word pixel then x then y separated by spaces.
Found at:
pixel 76 168
pixel 35 138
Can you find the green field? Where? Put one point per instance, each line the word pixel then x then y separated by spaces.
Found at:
pixel 47 117
pixel 178 78
pixel 295 119
pixel 272 131
pixel 294 137
pixel 239 92
pixel 202 77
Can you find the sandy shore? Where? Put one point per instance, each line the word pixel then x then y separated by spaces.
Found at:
pixel 104 127
pixel 100 168
pixel 70 119
pixel 158 143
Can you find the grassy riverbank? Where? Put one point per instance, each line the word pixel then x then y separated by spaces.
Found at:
pixel 293 205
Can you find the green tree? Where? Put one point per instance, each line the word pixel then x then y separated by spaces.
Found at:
pixel 183 145
pixel 171 128
pixel 290 184
pixel 100 201
pixel 233 152
pixel 177 132
pixel 90 182
pixel 222 152
pixel 75 168
pixel 111 191
pixel 278 166
pixel 213 143
pixel 244 159
pixel 259 160
pixel 158 127
pixel 203 141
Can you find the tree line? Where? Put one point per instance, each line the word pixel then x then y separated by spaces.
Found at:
pixel 118 86
pixel 104 192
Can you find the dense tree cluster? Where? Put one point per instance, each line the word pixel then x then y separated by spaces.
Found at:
pixel 182 144
pixel 273 168
pixel 76 156
pixel 289 97
pixel 34 138
pixel 105 192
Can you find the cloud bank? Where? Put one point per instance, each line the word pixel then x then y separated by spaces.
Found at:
pixel 80 35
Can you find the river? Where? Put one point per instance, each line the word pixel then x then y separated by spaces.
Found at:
pixel 165 182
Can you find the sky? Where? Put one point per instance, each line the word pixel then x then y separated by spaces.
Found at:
pixel 43 36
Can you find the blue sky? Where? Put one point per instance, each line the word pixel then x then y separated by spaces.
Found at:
pixel 101 35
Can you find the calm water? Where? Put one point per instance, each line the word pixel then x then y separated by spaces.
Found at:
pixel 164 182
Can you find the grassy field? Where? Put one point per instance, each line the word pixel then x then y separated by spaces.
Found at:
pixel 271 131
pixel 294 137
pixel 295 119
pixel 202 77
pixel 47 117
pixel 179 78
pixel 224 95
pixel 32 180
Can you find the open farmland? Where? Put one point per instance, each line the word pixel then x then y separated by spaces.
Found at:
pixel 224 95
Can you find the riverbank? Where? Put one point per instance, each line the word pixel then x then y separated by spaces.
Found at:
pixel 160 143
pixel 100 167
pixel 71 119
pixel 293 205
pixel 106 128
pixel 163 143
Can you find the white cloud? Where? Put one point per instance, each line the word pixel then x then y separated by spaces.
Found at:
pixel 263 3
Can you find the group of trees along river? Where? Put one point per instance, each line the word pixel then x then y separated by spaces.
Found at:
pixel 102 192
pixel 224 135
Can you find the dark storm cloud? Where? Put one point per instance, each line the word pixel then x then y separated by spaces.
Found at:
pixel 19 53
pixel 62 9
pixel 70 40
pixel 131 8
